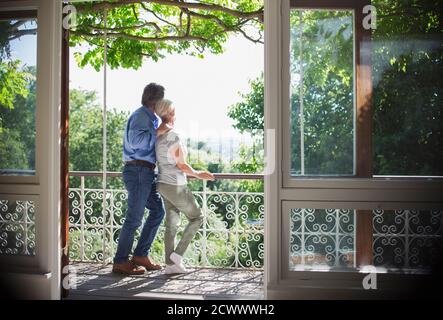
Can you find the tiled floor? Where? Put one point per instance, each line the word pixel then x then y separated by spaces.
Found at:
pixel 95 281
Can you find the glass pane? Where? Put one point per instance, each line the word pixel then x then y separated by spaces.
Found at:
pixel 407 239
pixel 17 227
pixel 322 92
pixel 321 239
pixel 402 240
pixel 407 59
pixel 18 52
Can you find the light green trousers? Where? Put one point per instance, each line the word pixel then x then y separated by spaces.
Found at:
pixel 179 199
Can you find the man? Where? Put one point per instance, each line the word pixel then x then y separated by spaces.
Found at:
pixel 139 178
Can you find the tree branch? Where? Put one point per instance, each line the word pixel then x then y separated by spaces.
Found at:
pixel 140 38
pixel 17 25
pixel 158 17
pixel 95 27
pixel 259 40
pixel 182 31
pixel 181 21
pixel 188 23
pixel 20 33
pixel 188 5
pixel 134 11
pixel 208 17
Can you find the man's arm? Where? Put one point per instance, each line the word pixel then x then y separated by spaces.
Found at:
pixel 164 128
pixel 139 133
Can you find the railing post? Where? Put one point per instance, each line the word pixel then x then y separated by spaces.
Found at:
pixel 337 237
pixel 25 242
pixel 105 207
pixel 205 214
pixel 236 234
pixel 407 217
pixel 303 236
pixel 82 218
pixel 111 223
pixel 105 131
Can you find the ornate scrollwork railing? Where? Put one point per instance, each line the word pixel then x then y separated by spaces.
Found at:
pixel 231 234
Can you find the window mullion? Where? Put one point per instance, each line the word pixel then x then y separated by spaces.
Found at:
pixel 363 134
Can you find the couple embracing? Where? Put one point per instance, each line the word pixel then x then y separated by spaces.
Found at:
pixel 148 143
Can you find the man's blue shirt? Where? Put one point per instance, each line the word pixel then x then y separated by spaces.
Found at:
pixel 140 136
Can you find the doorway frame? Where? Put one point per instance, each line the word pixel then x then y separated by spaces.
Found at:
pixel 40 279
pixel 360 193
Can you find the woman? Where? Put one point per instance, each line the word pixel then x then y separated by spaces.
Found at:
pixel 172 185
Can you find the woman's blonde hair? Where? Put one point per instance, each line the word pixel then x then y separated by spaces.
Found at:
pixel 163 108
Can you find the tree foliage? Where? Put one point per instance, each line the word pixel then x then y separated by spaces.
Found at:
pixel 248 114
pixel 322 58
pixel 408 87
pixel 17 117
pixel 13 82
pixel 86 138
pixel 152 29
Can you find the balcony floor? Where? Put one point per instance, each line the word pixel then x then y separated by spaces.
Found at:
pixel 96 281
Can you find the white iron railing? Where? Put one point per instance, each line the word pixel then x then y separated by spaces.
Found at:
pixel 231 234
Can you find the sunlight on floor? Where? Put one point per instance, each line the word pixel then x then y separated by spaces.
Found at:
pixel 95 281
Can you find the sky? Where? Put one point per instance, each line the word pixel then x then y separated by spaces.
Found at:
pixel 25 48
pixel 201 89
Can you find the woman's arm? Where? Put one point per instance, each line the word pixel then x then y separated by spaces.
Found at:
pixel 179 155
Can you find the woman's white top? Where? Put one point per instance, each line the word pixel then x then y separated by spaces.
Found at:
pixel 165 147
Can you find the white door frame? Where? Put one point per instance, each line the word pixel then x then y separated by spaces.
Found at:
pixel 360 194
pixel 39 276
pixel 273 150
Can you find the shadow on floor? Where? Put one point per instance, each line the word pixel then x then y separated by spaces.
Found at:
pixel 95 281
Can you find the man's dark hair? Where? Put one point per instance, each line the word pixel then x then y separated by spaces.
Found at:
pixel 152 94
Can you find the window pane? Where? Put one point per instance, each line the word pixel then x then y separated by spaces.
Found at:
pixel 18 51
pixel 17 227
pixel 321 239
pixel 322 92
pixel 402 240
pixel 407 239
pixel 407 59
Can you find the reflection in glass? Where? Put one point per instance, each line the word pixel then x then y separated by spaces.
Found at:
pixel 322 92
pixel 407 239
pixel 402 240
pixel 321 239
pixel 17 227
pixel 18 51
pixel 407 68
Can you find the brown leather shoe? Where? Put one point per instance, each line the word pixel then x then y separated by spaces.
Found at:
pixel 146 263
pixel 127 268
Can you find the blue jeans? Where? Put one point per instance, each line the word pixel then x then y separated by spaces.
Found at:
pixel 142 193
